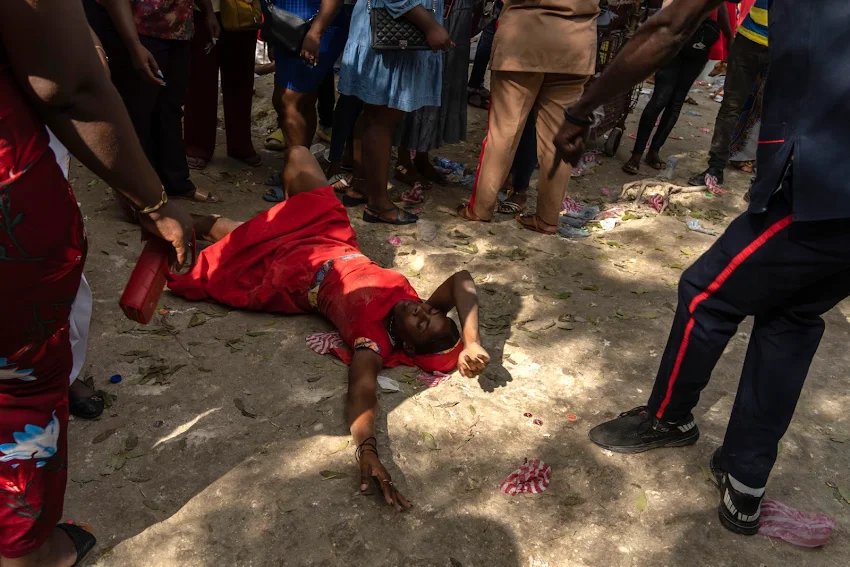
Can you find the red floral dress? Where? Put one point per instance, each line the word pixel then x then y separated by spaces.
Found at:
pixel 42 252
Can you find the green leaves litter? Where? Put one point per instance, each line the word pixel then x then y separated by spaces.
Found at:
pixel 564 295
pixel 640 502
pixel 429 441
pixel 197 320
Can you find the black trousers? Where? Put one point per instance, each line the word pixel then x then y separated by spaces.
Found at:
pixel 747 61
pixel 156 111
pixel 784 273
pixel 326 100
pixel 672 85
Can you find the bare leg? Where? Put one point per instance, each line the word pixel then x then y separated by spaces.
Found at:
pixel 213 228
pixel 426 169
pixel 376 125
pixel 302 172
pixel 57 551
pixel 298 119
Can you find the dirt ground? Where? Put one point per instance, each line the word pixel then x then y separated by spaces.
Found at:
pixel 176 475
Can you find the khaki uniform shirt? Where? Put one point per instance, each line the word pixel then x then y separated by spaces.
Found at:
pixel 547 36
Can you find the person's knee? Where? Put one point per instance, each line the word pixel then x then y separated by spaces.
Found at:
pixel 688 288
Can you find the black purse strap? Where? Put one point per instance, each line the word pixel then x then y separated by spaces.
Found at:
pixel 369 6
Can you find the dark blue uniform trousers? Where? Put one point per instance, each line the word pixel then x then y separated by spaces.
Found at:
pixel 785 274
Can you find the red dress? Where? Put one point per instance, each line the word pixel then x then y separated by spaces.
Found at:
pixel 301 256
pixel 42 251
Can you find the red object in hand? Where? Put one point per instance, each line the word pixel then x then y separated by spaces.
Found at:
pixel 147 281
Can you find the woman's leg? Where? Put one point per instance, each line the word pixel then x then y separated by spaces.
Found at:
pixel 237 89
pixel 57 551
pixel 199 122
pixel 689 70
pixel 376 126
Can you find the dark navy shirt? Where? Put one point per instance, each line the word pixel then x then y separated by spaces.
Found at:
pixel 806 113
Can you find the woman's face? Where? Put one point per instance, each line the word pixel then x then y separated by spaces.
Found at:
pixel 419 324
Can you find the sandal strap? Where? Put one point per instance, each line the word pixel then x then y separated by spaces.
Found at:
pixel 83 540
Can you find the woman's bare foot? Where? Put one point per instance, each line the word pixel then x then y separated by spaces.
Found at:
pixel 83 401
pixel 199 196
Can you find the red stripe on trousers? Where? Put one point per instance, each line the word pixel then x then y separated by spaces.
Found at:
pixel 480 159
pixel 762 142
pixel 739 259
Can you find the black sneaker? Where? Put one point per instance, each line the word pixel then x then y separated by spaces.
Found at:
pixel 738 512
pixel 699 178
pixel 637 431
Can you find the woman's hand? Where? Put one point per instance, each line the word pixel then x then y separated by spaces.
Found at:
pixel 438 38
pixel 173 224
pixel 472 360
pixel 311 46
pixel 371 467
pixel 145 63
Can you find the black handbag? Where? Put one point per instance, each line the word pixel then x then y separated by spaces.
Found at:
pixel 395 34
pixel 283 29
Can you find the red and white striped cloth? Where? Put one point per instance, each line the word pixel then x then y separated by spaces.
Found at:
pixel 431 380
pixel 798 528
pixel 322 343
pixel 655 201
pixel 531 478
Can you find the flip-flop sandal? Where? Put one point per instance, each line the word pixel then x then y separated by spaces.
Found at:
pixel 86 408
pixel 631 168
pixel 745 166
pixel 414 195
pixel 657 165
pixel 82 539
pixel 348 201
pixel 274 180
pixel 402 216
pixel 196 162
pixel 534 222
pixel 275 141
pixel 341 181
pixel 466 212
pixel 274 195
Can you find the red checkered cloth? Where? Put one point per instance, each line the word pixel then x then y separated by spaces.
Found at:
pixel 531 478
pixel 431 380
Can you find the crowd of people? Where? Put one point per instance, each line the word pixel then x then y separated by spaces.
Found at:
pixel 131 90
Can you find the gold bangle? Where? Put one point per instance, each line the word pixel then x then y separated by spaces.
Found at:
pixel 105 55
pixel 153 208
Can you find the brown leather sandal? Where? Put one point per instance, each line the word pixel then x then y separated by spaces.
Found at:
pixel 466 212
pixel 534 222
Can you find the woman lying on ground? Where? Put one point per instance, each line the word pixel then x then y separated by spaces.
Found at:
pixel 301 256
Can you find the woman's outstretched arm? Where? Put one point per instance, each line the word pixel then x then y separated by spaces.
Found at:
pixel 459 292
pixel 361 406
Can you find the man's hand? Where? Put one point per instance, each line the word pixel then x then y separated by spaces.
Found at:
pixel 173 224
pixel 310 48
pixel 213 26
pixel 472 361
pixel 145 63
pixel 569 145
pixel 371 468
pixel 438 38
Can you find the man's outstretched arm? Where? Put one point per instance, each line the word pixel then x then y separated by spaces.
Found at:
pixel 655 43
